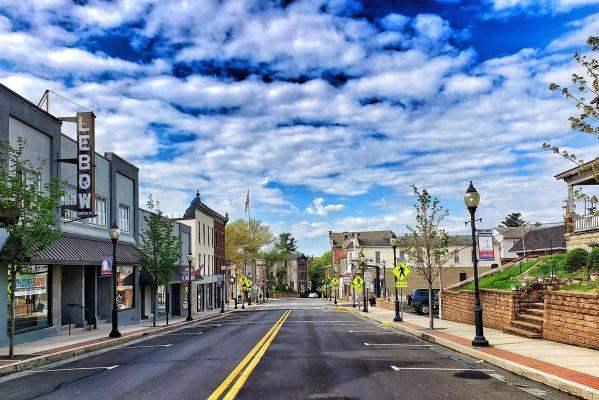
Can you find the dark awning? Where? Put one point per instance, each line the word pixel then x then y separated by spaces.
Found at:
pixel 72 249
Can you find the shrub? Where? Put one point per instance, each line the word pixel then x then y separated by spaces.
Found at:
pixel 593 262
pixel 576 259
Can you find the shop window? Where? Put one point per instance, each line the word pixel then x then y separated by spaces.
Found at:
pixel 184 303
pixel 31 298
pixel 124 217
pixel 161 293
pixel 200 298
pixel 100 218
pixel 125 287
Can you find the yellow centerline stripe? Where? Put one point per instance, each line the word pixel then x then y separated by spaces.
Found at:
pixel 227 382
pixel 248 371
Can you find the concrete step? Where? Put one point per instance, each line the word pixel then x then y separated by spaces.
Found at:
pixel 535 311
pixel 529 326
pixel 523 332
pixel 532 318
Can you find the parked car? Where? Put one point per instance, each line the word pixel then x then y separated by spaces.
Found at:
pixel 419 300
pixel 313 295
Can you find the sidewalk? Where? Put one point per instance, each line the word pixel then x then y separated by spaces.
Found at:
pixel 35 353
pixel 569 368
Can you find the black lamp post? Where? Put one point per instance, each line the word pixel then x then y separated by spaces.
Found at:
pixel 335 292
pixel 362 261
pixel 472 198
pixel 114 233
pixel 394 243
pixel 189 260
pixel 384 279
pixel 223 291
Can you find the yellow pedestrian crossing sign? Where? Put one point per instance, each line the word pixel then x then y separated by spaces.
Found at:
pixel 401 271
pixel 401 284
pixel 335 281
pixel 358 282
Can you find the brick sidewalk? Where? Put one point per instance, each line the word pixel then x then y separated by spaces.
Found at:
pixel 568 368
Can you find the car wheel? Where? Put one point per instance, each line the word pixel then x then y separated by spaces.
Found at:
pixel 423 309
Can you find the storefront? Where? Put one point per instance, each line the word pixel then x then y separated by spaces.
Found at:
pixel 32 298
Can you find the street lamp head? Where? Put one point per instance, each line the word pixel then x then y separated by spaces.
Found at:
pixel 394 241
pixel 190 257
pixel 384 263
pixel 114 231
pixel 471 198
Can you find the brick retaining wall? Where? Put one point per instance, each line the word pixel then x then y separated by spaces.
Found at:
pixel 572 318
pixel 387 305
pixel 498 307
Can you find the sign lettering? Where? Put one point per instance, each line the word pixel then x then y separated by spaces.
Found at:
pixel 86 157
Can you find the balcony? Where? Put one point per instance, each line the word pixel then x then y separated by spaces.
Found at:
pixel 586 223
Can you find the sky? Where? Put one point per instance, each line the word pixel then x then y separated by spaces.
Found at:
pixel 326 110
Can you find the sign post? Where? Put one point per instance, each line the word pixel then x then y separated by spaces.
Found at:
pixel 401 272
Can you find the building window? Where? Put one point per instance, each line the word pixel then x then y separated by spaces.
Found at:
pixel 200 298
pixel 204 233
pixel 32 178
pixel 124 217
pixel 69 198
pixel 200 232
pixel 100 218
pixel 462 276
pixel 31 298
pixel 125 287
pixel 377 257
pixel 456 257
pixel 402 255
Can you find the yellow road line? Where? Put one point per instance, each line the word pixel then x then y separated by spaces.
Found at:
pixel 248 371
pixel 229 379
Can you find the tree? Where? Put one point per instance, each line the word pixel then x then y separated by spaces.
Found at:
pixel 513 220
pixel 160 250
pixel 270 256
pixel 317 269
pixel 243 243
pixel 425 245
pixel 585 96
pixel 286 245
pixel 27 213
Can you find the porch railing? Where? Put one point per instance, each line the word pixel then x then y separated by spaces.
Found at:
pixel 586 223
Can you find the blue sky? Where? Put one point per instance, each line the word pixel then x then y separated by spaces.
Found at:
pixel 327 110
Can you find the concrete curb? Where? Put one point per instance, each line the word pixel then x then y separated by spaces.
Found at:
pixel 77 351
pixel 562 384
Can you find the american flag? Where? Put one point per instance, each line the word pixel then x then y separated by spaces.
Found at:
pixel 247 202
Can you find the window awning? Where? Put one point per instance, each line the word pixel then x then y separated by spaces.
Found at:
pixel 72 249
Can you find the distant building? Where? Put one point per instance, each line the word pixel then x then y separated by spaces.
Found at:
pixel 207 247
pixel 541 241
pixel 507 237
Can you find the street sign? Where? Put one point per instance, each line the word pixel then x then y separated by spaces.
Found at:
pixel 368 277
pixel 335 281
pixel 401 284
pixel 401 271
pixel 358 282
pixel 231 280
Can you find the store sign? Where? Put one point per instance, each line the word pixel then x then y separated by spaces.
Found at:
pixel 30 281
pixel 86 161
pixel 106 267
pixel 485 245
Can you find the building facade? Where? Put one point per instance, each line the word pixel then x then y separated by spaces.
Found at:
pixel 207 246
pixel 63 285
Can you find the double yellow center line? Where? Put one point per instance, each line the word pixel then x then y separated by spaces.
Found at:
pixel 236 379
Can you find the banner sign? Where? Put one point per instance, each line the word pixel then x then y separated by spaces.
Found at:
pixel 485 245
pixel 184 277
pixel 106 267
pixel 86 165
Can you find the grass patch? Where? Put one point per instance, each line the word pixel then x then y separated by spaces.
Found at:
pixel 558 262
pixel 581 287
pixel 504 280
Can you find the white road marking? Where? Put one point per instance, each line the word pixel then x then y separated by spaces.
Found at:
pixel 183 333
pixel 398 344
pixel 147 346
pixel 72 369
pixel 499 377
pixel 379 332
pixel 439 369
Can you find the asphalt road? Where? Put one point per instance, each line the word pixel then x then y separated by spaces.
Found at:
pixel 313 352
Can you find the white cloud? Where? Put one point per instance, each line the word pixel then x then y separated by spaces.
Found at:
pixel 319 208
